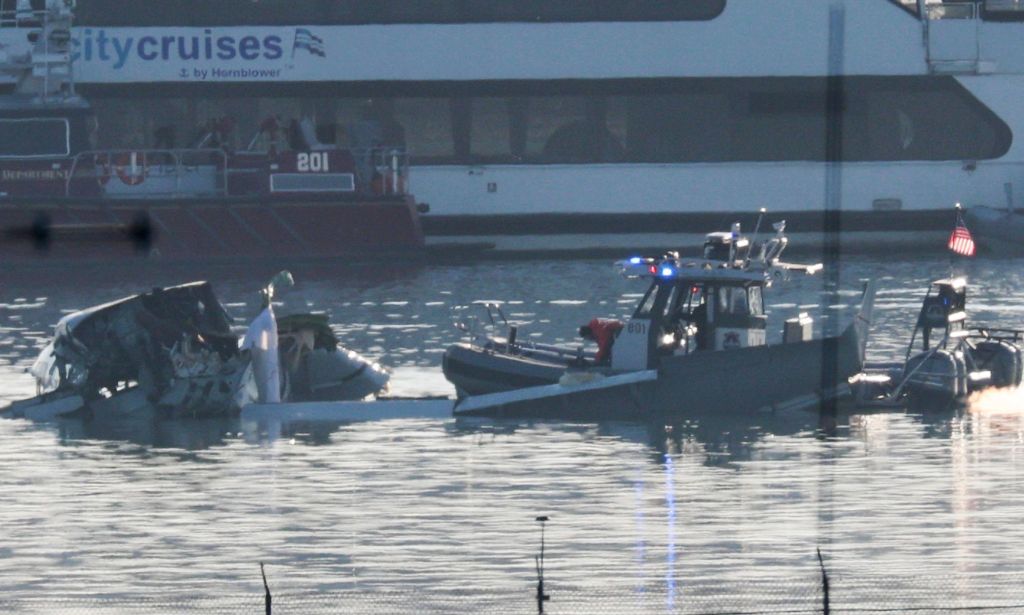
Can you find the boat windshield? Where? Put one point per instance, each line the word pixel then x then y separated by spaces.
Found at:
pixel 756 300
pixel 732 300
pixel 23 138
pixel 647 303
pixel 740 301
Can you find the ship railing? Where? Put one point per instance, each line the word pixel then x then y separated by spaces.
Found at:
pixel 1004 6
pixel 26 18
pixel 133 173
pixel 382 170
pixel 952 10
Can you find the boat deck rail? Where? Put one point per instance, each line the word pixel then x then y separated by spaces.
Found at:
pixel 952 10
pixel 976 9
pixel 209 172
pixel 1004 6
pixel 997 334
pixel 29 18
pixel 169 170
pixel 382 170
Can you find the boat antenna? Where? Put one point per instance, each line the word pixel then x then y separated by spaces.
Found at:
pixel 733 251
pixel 538 561
pixel 753 236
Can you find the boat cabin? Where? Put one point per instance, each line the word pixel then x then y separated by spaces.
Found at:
pixel 943 308
pixel 724 246
pixel 690 309
pixel 48 144
pixel 47 149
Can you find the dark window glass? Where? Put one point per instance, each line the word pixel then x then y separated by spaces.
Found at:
pixel 34 138
pixel 424 127
pixel 584 122
pixel 345 12
pixel 903 118
pixel 490 132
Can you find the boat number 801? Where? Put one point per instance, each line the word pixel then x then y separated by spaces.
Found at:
pixel 313 162
pixel 636 327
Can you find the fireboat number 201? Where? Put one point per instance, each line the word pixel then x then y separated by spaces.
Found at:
pixel 312 162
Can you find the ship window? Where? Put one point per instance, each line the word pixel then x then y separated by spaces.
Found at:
pixel 425 125
pixel 572 129
pixel 903 118
pixel 34 137
pixel 555 129
pixel 785 119
pixel 490 135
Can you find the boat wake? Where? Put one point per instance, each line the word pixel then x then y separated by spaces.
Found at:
pixel 1006 401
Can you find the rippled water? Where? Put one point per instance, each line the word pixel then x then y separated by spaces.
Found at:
pixel 191 506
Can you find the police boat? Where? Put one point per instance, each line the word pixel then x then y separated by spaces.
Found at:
pixel 946 359
pixel 696 340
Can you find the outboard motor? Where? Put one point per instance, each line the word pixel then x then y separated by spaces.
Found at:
pixel 1002 359
pixel 939 375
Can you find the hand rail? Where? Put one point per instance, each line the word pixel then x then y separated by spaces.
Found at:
pixel 25 18
pixel 1004 6
pixel 388 164
pixel 952 10
pixel 179 165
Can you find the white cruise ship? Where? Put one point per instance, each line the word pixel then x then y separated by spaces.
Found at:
pixel 562 125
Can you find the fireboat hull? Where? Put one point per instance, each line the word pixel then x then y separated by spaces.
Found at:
pixel 215 229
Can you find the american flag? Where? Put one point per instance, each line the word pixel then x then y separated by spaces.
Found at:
pixel 960 240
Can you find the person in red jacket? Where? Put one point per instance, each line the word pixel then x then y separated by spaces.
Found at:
pixel 602 331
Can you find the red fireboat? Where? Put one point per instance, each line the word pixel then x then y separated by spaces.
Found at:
pixel 286 195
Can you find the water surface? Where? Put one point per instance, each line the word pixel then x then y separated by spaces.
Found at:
pixel 148 508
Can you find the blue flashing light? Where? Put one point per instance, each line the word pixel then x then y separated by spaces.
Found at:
pixel 636 260
pixel 667 272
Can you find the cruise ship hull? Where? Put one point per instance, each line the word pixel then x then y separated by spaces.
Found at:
pixel 591 209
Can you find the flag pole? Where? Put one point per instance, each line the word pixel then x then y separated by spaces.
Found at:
pixel 952 254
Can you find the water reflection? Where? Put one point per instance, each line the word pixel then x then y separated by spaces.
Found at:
pixel 149 431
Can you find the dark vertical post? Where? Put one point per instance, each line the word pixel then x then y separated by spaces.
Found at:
pixel 834 104
pixel 825 606
pixel 539 563
pixel 267 600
